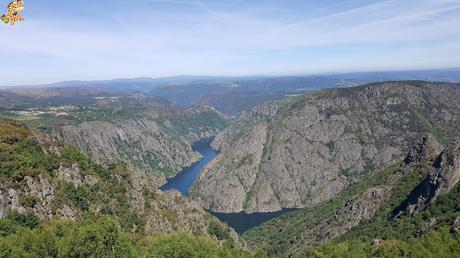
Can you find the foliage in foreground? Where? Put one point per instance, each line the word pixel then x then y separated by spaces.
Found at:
pixel 440 243
pixel 103 237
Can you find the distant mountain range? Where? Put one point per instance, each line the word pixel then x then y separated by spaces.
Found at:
pixel 231 95
pixel 445 75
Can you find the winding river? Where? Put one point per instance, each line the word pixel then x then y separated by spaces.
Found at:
pixel 182 182
pixel 184 179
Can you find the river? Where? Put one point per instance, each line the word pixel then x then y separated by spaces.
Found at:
pixel 184 179
pixel 182 182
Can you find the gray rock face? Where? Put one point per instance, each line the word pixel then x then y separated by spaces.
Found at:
pixel 320 224
pixel 442 177
pixel 456 225
pixel 41 188
pixel 426 148
pixel 49 143
pixel 157 144
pixel 9 200
pixel 70 173
pixel 305 150
pixel 141 143
pixel 361 207
pixel 446 169
pixel 66 212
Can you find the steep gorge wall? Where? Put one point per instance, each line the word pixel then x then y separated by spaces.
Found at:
pixel 157 144
pixel 302 151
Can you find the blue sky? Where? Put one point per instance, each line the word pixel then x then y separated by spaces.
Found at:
pixel 104 39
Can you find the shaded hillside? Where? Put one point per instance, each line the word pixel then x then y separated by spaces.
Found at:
pixel 305 150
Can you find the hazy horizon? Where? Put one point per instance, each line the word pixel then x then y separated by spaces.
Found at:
pixel 100 40
pixel 230 76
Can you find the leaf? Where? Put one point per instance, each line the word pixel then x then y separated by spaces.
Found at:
pixel 5 19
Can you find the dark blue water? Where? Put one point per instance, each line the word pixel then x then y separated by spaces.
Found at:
pixel 242 222
pixel 184 180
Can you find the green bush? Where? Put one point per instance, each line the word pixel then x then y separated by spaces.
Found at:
pixel 15 221
pixel 29 201
pixel 103 237
pixel 100 238
pixel 186 246
pixel 73 154
pixel 216 229
pixel 24 158
pixel 73 196
pixel 440 243
pixel 8 227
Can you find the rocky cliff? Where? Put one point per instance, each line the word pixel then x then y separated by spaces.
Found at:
pixel 392 204
pixel 157 142
pixel 305 150
pixel 443 176
pixel 43 177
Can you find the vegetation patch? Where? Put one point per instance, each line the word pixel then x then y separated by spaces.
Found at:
pixel 28 201
pixel 440 243
pixel 103 237
pixel 246 160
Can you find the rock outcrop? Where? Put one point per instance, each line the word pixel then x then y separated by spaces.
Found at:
pixel 446 169
pixel 9 200
pixel 425 149
pixel 456 225
pixel 362 207
pixel 442 177
pixel 305 150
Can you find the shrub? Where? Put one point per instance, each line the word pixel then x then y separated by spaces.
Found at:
pixel 216 229
pixel 103 237
pixel 27 220
pixel 184 246
pixel 435 244
pixel 29 201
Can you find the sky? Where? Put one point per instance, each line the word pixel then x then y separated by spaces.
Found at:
pixel 106 39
